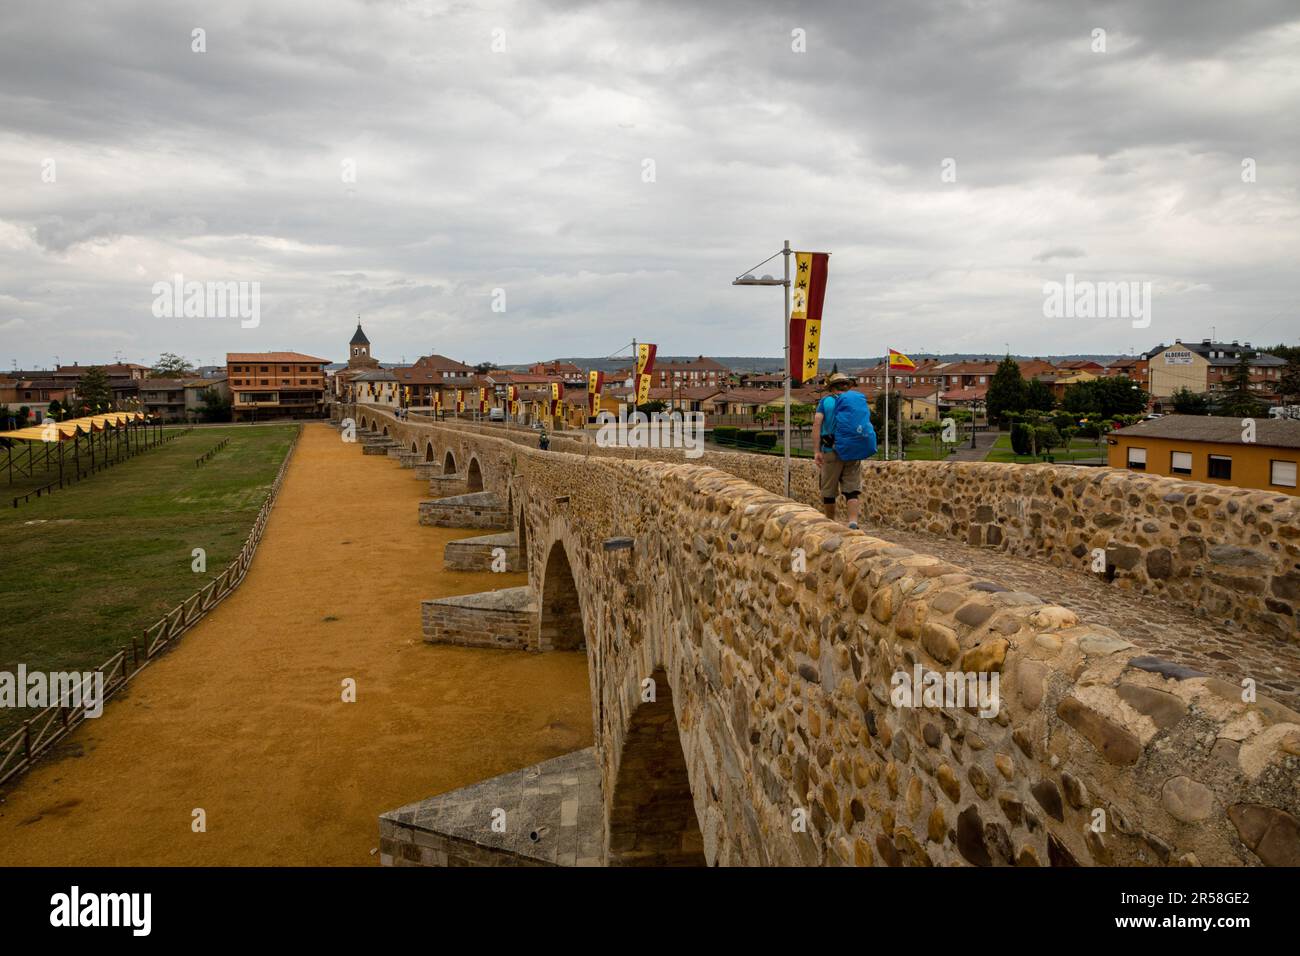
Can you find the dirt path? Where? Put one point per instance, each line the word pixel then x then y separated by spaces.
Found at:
pixel 244 718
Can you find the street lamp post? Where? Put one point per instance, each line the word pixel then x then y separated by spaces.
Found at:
pixel 749 279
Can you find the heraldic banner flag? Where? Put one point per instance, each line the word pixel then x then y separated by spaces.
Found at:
pixel 595 385
pixel 897 360
pixel 645 366
pixel 807 295
pixel 557 393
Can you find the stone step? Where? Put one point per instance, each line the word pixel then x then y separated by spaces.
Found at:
pixel 505 618
pixel 478 554
pixel 554 817
pixel 427 469
pixel 407 459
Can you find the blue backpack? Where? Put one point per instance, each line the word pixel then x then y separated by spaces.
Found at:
pixel 850 423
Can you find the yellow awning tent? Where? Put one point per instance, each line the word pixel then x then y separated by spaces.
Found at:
pixel 67 429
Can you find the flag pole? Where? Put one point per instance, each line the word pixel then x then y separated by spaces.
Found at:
pixel 785 324
pixel 886 406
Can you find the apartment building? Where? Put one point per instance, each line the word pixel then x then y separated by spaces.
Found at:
pixel 275 385
pixel 1209 366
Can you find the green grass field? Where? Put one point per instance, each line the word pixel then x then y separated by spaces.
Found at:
pixel 92 566
pixel 1080 448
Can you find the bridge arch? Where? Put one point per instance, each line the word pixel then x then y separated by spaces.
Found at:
pixel 652 820
pixel 560 625
pixel 449 463
pixel 385 431
pixel 363 422
pixel 474 476
pixel 428 452
pixel 415 449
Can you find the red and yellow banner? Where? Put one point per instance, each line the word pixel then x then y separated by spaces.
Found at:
pixel 897 360
pixel 460 400
pixel 514 399
pixel 645 366
pixel 808 293
pixel 557 392
pixel 437 402
pixel 482 401
pixel 595 385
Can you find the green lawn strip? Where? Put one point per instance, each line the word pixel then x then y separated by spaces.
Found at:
pixel 41 476
pixel 93 566
pixel 1080 448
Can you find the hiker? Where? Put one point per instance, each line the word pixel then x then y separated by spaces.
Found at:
pixel 543 440
pixel 845 439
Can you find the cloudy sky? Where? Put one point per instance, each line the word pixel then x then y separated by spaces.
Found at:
pixel 611 166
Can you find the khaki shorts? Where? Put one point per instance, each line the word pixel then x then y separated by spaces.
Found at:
pixel 839 476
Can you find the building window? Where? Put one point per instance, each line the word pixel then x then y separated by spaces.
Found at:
pixel 1282 473
pixel 1220 466
pixel 1180 462
pixel 1137 459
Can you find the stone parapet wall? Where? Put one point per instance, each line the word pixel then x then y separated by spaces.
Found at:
pixel 781 634
pixel 1232 554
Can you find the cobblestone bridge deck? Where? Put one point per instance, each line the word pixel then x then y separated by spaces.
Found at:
pixel 1156 626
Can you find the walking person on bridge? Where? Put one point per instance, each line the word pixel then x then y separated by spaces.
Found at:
pixel 845 438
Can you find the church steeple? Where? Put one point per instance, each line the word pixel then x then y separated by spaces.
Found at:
pixel 359 349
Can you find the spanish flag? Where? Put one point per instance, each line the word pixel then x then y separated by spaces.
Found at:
pixel 808 295
pixel 595 385
pixel 897 360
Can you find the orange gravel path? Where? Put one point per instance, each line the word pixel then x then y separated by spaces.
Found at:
pixel 244 718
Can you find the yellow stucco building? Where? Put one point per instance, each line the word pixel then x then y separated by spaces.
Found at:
pixel 1245 453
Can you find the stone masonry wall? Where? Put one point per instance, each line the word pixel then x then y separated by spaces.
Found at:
pixel 504 619
pixel 1228 554
pixel 781 675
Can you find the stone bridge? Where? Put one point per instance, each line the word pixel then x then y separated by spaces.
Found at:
pixel 744 651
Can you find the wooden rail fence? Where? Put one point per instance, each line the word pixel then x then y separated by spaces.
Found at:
pixel 23 747
pixel 207 455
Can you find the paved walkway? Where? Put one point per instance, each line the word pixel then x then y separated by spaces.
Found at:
pixel 1152 624
pixel 244 719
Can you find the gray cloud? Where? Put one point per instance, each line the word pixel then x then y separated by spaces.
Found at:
pixel 522 170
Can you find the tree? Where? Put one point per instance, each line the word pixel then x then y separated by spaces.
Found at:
pixel 1046 437
pixel 55 410
pixel 171 365
pixel 93 391
pixel 1187 402
pixel 1239 402
pixel 1007 391
pixel 1289 385
pixel 1109 396
pixel 1021 438
pixel 1038 396
pixel 213 406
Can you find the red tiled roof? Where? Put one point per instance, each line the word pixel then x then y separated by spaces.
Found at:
pixel 253 357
